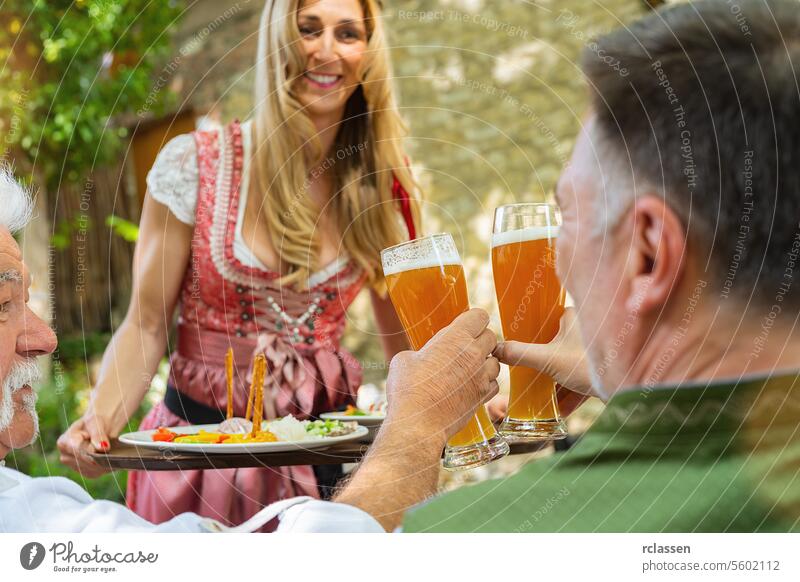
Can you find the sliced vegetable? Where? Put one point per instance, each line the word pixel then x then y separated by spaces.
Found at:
pixel 203 437
pixel 163 434
pixel 262 436
pixel 353 411
pixel 328 427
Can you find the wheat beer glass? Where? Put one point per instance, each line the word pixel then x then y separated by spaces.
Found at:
pixel 427 287
pixel 531 301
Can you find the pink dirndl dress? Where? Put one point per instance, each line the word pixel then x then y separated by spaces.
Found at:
pixel 225 303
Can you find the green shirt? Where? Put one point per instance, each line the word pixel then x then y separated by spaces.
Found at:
pixel 709 457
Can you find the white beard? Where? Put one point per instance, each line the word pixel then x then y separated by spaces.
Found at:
pixel 29 408
pixel 6 407
pixel 25 373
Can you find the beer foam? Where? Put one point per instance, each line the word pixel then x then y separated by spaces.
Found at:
pixel 524 235
pixel 424 253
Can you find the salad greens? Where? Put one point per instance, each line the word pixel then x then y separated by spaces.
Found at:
pixel 324 427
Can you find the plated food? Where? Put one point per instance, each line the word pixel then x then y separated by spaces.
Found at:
pixel 378 409
pixel 286 429
pixel 285 434
pixel 249 434
pixel 370 418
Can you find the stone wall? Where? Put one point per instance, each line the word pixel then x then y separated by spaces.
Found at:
pixel 491 91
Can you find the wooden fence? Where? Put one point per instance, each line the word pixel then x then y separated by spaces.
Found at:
pixel 91 265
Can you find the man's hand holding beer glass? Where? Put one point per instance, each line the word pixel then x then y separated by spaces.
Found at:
pixel 563 359
pixel 432 393
pixel 427 286
pixel 440 386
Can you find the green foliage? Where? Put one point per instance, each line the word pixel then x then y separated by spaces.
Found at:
pixel 124 228
pixel 82 347
pixel 74 75
pixel 61 238
pixel 68 69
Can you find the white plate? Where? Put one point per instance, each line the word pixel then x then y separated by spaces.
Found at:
pixel 144 439
pixel 370 420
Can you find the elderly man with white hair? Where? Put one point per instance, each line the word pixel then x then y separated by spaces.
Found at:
pixel 24 336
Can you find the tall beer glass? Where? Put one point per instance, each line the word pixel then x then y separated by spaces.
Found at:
pixel 427 287
pixel 531 301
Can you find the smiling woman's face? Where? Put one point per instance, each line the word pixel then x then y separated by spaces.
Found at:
pixel 334 37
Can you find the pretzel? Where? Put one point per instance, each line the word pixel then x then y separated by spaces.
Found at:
pixel 229 379
pixel 251 395
pixel 259 373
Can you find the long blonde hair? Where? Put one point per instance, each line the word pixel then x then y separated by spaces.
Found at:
pixel 365 157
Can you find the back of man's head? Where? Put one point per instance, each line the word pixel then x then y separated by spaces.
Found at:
pixel 703 106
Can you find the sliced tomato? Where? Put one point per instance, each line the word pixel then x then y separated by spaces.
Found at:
pixel 164 435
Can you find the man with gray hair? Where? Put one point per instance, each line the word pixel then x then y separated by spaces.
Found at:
pixel 680 245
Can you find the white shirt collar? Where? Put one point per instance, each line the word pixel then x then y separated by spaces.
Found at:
pixel 6 481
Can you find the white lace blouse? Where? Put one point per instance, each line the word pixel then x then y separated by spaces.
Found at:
pixel 174 180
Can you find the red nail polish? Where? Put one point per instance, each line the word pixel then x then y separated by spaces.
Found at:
pixel 104 444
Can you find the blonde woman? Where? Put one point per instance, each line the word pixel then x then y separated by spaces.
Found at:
pixel 263 232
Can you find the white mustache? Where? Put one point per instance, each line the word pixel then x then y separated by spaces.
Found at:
pixel 25 373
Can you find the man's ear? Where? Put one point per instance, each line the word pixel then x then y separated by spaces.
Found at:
pixel 656 257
